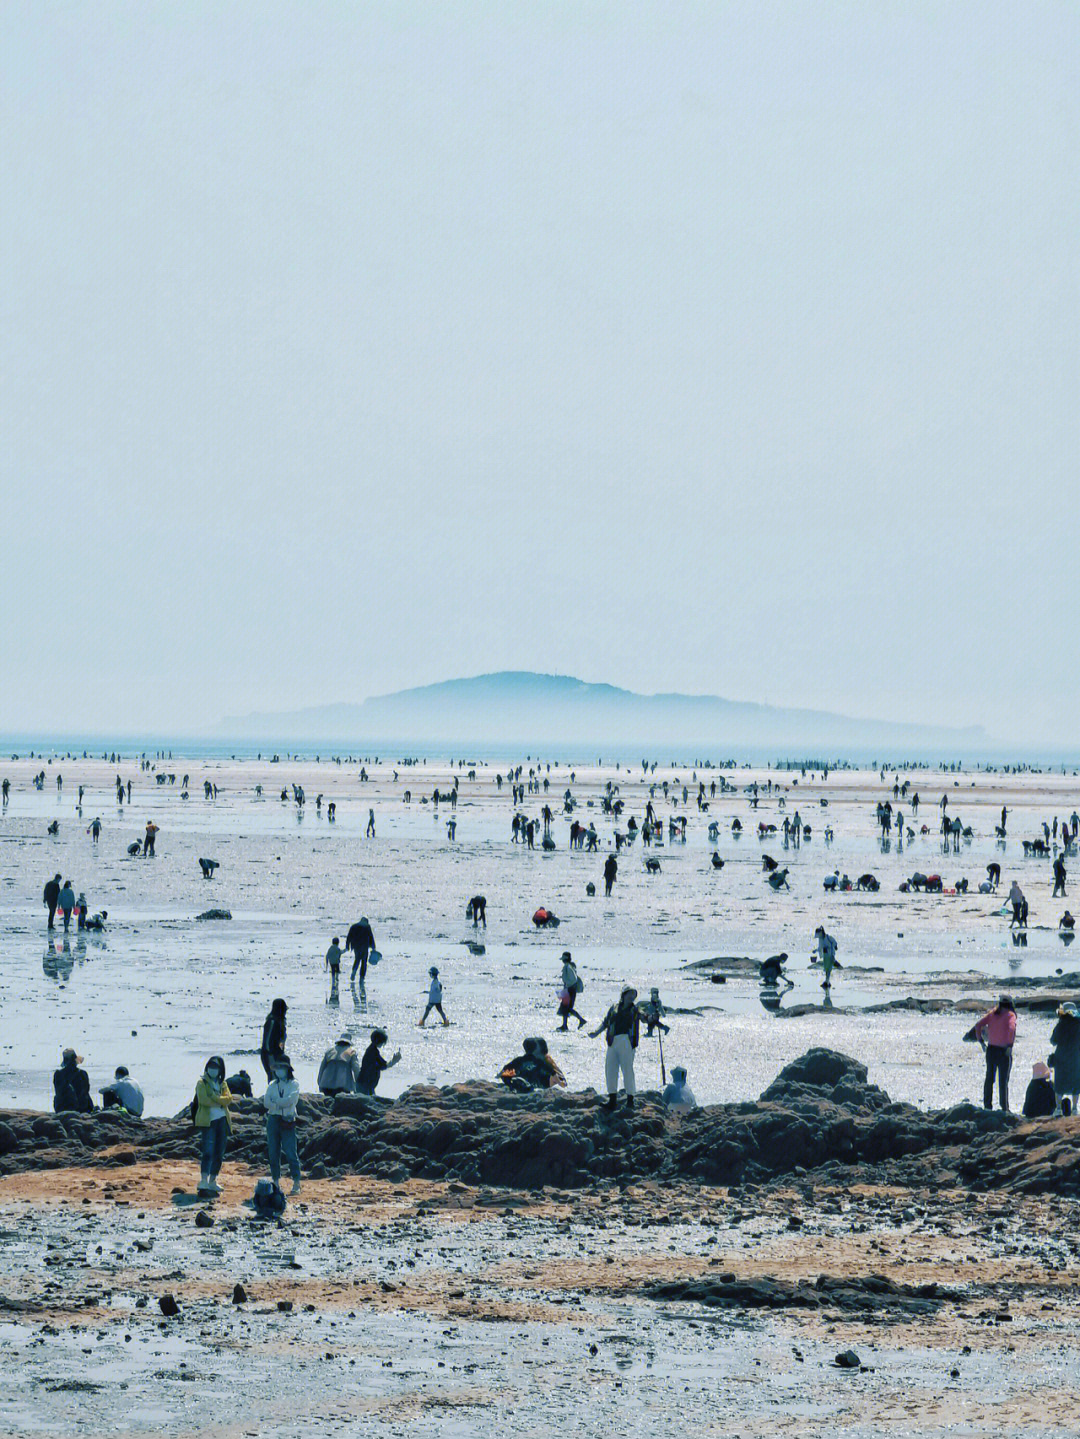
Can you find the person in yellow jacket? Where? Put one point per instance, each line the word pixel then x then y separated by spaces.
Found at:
pixel 212 1100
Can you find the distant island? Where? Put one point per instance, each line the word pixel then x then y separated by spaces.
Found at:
pixel 520 708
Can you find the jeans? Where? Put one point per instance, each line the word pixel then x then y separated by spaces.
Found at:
pixel 620 1056
pixel 999 1062
pixel 281 1139
pixel 214 1139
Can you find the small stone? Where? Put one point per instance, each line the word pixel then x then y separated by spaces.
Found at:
pixel 204 1219
pixel 239 1294
pixel 848 1359
pixel 285 1305
pixel 168 1305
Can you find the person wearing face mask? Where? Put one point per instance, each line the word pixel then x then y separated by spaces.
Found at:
pixel 280 1100
pixel 212 1100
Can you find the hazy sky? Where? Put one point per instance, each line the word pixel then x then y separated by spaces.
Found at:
pixel 723 347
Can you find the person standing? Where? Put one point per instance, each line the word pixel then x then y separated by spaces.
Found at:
pixel 826 954
pixel 997 1030
pixel 1065 1058
pixel 361 941
pixel 333 964
pixel 51 897
pixel 572 985
pixel 1059 878
pixel 339 1072
pixel 212 1100
pixel 272 1046
pixel 280 1100
pixel 622 1028
pixel 67 903
pixel 369 833
pixel 434 999
pixel 373 1064
pixel 611 869
pixel 149 838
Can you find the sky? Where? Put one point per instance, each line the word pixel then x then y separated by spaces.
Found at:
pixel 726 348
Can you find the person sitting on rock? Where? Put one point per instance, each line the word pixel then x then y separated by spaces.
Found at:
pixel 678 1095
pixel 123 1093
pixel 71 1086
pixel 528 1071
pixel 339 1072
pixel 1039 1101
pixel 555 1075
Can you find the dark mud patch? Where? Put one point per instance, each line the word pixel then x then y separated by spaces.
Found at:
pixel 872 1294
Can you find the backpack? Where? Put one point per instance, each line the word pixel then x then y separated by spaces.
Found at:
pixel 268 1199
pixel 194 1108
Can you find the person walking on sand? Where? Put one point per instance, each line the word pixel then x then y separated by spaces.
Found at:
pixel 1059 878
pixel 622 1028
pixel 825 953
pixel 333 964
pixel 361 941
pixel 997 1031
pixel 572 985
pixel 1019 905
pixel 611 869
pixel 212 1100
pixel 51 897
pixel 280 1102
pixel 370 831
pixel 434 999
pixel 1065 1058
pixel 67 903
pixel 373 1064
pixel 272 1046
pixel 339 1072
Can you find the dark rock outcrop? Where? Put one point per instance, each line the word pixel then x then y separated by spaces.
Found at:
pixel 820 1114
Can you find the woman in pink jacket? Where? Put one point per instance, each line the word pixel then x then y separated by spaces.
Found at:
pixel 997 1031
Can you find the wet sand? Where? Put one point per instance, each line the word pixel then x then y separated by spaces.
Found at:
pixel 424 1306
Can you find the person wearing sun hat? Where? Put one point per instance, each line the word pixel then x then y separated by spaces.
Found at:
pixel 622 1027
pixel 71 1086
pixel 1065 1058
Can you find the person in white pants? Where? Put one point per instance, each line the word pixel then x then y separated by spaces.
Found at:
pixel 622 1026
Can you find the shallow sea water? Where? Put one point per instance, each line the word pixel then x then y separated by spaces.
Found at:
pixel 160 990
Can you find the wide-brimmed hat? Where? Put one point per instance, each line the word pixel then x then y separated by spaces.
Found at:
pixel 1068 1008
pixel 343 1040
pixel 628 989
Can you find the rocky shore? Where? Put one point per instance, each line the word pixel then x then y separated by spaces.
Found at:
pixel 820 1116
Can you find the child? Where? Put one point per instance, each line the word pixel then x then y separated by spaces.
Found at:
pixel 434 999
pixel 653 1014
pixel 333 964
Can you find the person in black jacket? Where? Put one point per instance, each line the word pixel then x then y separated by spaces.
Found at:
pixel 1040 1100
pixel 273 1037
pixel 51 897
pixel 361 941
pixel 71 1086
pixel 373 1064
